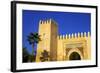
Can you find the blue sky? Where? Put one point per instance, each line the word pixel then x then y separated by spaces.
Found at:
pixel 68 22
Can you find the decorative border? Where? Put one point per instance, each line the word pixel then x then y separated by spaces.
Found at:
pixel 13 34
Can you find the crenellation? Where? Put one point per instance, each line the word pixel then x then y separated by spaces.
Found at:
pixel 81 34
pixel 84 34
pixel 69 36
pixel 78 35
pixel 41 22
pixel 63 36
pixel 49 21
pixel 74 35
pixel 66 36
pixel 60 36
pixel 88 34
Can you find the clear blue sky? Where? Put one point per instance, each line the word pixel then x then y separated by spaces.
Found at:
pixel 68 22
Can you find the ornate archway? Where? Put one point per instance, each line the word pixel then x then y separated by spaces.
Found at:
pixel 74 56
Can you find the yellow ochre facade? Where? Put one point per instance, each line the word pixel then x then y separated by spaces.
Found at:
pixel 62 47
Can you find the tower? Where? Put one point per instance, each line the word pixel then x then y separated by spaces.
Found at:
pixel 47 47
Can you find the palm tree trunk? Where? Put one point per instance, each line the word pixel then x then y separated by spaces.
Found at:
pixel 33 55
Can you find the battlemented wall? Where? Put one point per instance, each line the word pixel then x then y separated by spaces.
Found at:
pixel 61 47
pixel 78 42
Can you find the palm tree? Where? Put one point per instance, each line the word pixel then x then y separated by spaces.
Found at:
pixel 33 39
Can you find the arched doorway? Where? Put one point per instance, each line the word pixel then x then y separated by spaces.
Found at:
pixel 74 56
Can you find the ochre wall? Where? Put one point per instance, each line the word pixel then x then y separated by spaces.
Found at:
pixel 80 43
